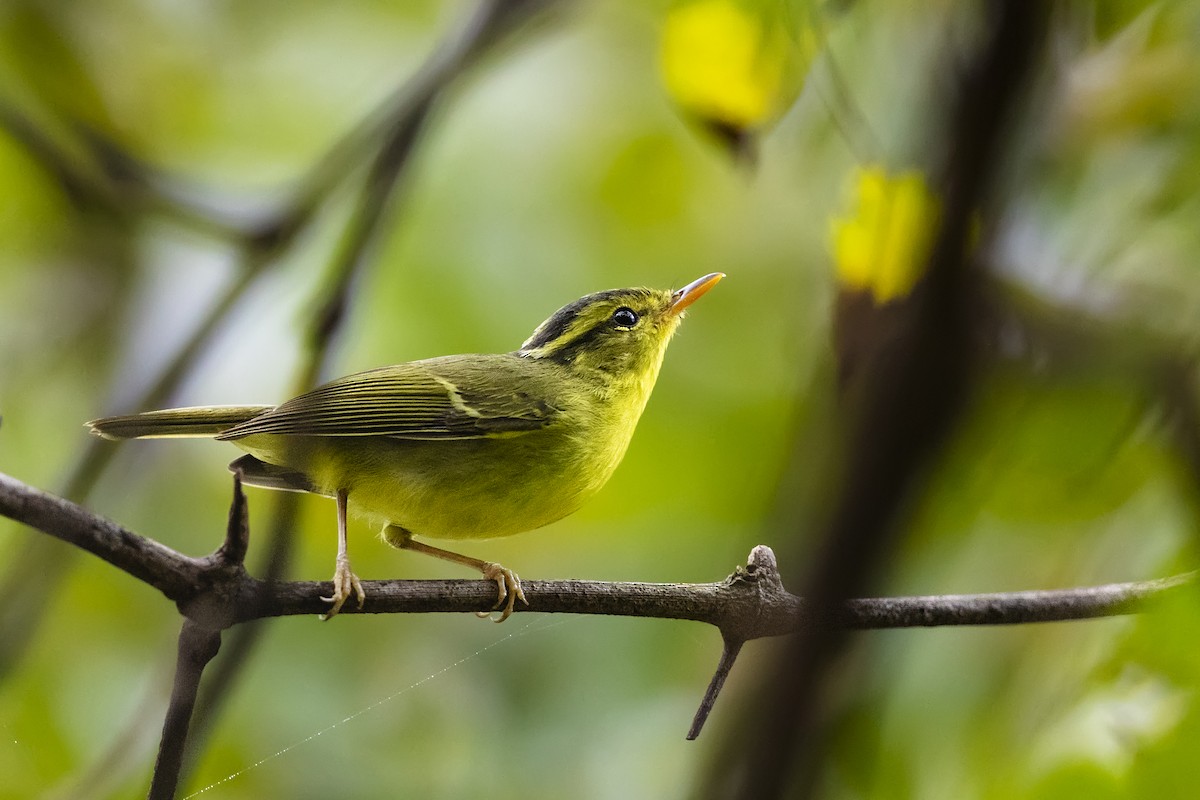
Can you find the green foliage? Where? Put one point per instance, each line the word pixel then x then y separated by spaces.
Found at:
pixel 560 167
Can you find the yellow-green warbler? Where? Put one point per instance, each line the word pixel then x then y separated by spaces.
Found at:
pixel 457 447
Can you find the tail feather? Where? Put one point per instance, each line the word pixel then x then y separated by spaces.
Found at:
pixel 202 422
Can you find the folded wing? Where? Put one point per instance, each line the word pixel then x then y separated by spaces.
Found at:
pixel 458 397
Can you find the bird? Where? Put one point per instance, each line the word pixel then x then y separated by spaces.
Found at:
pixel 458 447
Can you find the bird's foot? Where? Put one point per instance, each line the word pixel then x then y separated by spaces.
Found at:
pixel 345 582
pixel 508 587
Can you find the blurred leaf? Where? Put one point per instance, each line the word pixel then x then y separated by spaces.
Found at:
pixel 736 64
pixel 881 245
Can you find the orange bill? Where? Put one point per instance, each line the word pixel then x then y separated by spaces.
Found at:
pixel 693 292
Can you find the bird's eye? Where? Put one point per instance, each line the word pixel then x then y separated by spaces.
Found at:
pixel 625 317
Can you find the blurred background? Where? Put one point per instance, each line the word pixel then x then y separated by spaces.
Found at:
pixel 142 144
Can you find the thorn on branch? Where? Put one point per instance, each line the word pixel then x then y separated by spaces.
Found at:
pixel 237 532
pixel 216 602
pixel 757 586
pixel 728 655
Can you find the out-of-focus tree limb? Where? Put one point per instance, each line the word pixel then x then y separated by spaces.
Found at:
pixel 903 406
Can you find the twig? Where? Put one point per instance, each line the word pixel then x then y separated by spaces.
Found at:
pixel 197 646
pixel 729 652
pixel 206 615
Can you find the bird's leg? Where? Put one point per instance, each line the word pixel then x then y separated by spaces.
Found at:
pixel 344 580
pixel 508 585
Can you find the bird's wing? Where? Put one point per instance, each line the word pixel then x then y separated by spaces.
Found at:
pixel 459 397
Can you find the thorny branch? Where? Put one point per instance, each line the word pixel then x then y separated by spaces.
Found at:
pixel 751 603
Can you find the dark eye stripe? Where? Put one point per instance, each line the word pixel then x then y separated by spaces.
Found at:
pixel 584 341
pixel 557 325
pixel 588 339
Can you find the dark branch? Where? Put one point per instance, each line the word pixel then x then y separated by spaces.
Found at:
pixel 719 603
pixel 175 575
pixel 215 593
pixel 205 617
pixel 729 654
pixel 749 604
pixel 197 646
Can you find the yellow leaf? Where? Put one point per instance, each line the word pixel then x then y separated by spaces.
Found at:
pixel 882 245
pixel 730 64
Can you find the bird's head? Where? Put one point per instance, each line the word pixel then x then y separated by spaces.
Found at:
pixel 619 334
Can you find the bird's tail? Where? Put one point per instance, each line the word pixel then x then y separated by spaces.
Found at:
pixel 199 422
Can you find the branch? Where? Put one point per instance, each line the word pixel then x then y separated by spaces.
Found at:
pixel 197 646
pixel 175 575
pixel 749 604
pixel 97 171
pixel 486 27
pixel 215 593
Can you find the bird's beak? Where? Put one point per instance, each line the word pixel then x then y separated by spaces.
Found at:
pixel 692 292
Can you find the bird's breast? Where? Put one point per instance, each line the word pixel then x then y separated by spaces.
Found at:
pixel 467 488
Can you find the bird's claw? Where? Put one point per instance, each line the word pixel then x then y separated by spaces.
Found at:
pixel 345 583
pixel 508 587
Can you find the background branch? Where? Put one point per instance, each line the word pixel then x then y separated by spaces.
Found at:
pixel 903 407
